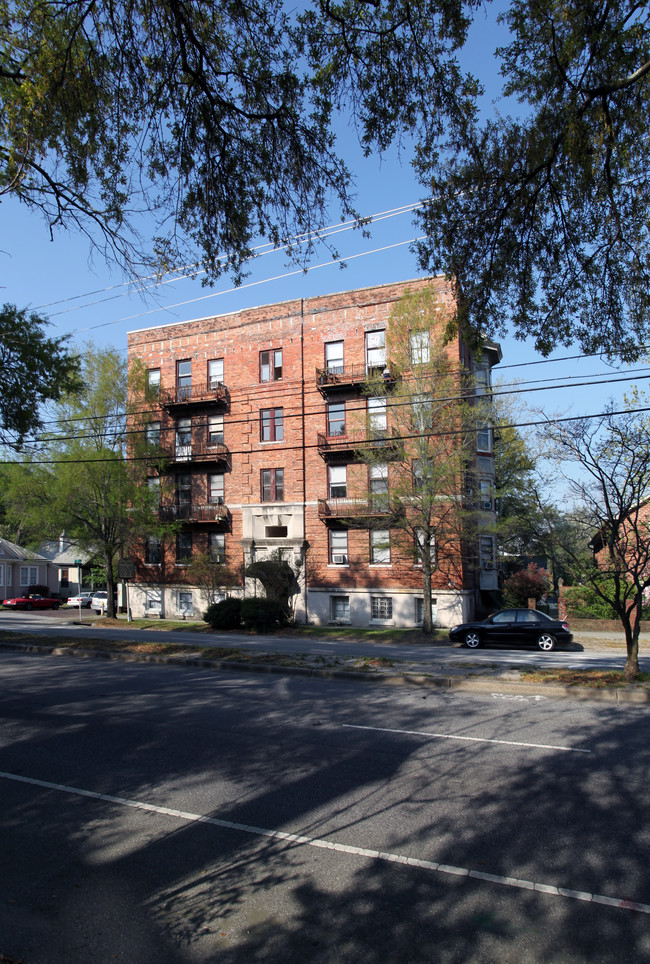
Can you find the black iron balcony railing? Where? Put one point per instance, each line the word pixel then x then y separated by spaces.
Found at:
pixel 194 394
pixel 194 512
pixel 197 447
pixel 333 445
pixel 363 508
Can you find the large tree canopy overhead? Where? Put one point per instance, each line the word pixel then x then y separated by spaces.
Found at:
pixel 216 117
pixel 219 119
pixel 543 218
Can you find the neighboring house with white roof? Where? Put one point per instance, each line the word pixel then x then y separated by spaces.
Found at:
pixel 68 561
pixel 22 568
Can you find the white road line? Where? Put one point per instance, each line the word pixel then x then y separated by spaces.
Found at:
pixel 516 883
pixel 468 739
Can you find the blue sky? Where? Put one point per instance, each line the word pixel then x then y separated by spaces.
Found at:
pixel 90 302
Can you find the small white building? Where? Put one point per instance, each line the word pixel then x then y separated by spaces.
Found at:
pixel 68 561
pixel 20 569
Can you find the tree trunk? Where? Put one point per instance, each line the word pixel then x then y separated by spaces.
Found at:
pixel 427 621
pixel 632 626
pixel 110 586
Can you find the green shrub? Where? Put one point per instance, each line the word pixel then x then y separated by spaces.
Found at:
pixel 584 602
pixel 225 614
pixel 262 615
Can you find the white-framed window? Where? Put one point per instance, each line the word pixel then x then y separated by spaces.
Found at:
pixel 481 381
pixel 377 417
pixel 153 601
pixel 486 494
pixel 378 479
pixel 184 438
pixel 153 484
pixel 215 372
pixel 340 609
pixel 153 433
pixel 420 547
pixel 215 488
pixel 215 429
pixel 8 575
pixel 422 413
pixel 183 548
pixel 217 547
pixel 338 547
pixel 153 380
pixel 2 574
pixel 379 547
pixel 185 602
pixel 484 438
pixel 381 607
pixel 337 481
pixel 486 552
pixel 419 610
pixel 152 551
pixel 375 351
pixel 334 357
pixel 184 377
pixel 29 575
pixel 419 347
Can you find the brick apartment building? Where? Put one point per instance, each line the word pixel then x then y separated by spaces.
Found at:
pixel 255 415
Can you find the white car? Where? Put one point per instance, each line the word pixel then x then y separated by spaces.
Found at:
pixel 99 602
pixel 84 599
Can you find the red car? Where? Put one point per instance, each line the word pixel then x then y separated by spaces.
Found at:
pixel 31 602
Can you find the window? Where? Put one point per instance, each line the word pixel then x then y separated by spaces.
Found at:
pixel 382 607
pixel 336 418
pixel 65 578
pixel 185 602
pixel 338 481
pixel 29 575
pixel 486 552
pixel 419 610
pixel 215 372
pixel 2 574
pixel 338 547
pixel 183 548
pixel 484 438
pixel 271 426
pixel 422 413
pixel 421 472
pixel 377 417
pixel 379 547
pixel 153 381
pixel 217 547
pixel 334 357
pixel 215 429
pixel 481 381
pixel 152 433
pixel 420 547
pixel 183 439
pixel 153 601
pixel 340 609
pixel 272 485
pixel 375 351
pixel 271 365
pixel 183 489
pixel 485 494
pixel 184 378
pixel 152 551
pixel 419 348
pixel 276 532
pixel 153 484
pixel 215 488
pixel 378 479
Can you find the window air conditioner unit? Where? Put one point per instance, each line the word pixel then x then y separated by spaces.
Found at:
pixel 339 559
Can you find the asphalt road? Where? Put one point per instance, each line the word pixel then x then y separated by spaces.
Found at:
pixel 145 813
pixel 610 654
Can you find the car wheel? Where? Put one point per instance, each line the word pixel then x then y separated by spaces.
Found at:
pixel 546 642
pixel 28 606
pixel 55 605
pixel 472 639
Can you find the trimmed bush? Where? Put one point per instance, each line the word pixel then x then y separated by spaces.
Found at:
pixel 225 614
pixel 262 615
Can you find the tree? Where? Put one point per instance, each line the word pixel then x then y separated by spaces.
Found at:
pixel 278 580
pixel 419 464
pixel 529 583
pixel 33 369
pixel 560 190
pixel 210 576
pixel 79 478
pixel 216 119
pixel 607 463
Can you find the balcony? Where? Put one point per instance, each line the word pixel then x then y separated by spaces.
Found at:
pixel 185 397
pixel 352 509
pixel 340 378
pixel 344 448
pixel 200 449
pixel 194 512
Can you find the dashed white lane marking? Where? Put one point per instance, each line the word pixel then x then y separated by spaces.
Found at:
pixel 515 882
pixel 467 739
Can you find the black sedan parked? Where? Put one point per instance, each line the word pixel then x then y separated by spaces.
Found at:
pixel 513 626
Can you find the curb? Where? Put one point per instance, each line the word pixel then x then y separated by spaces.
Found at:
pixel 419 680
